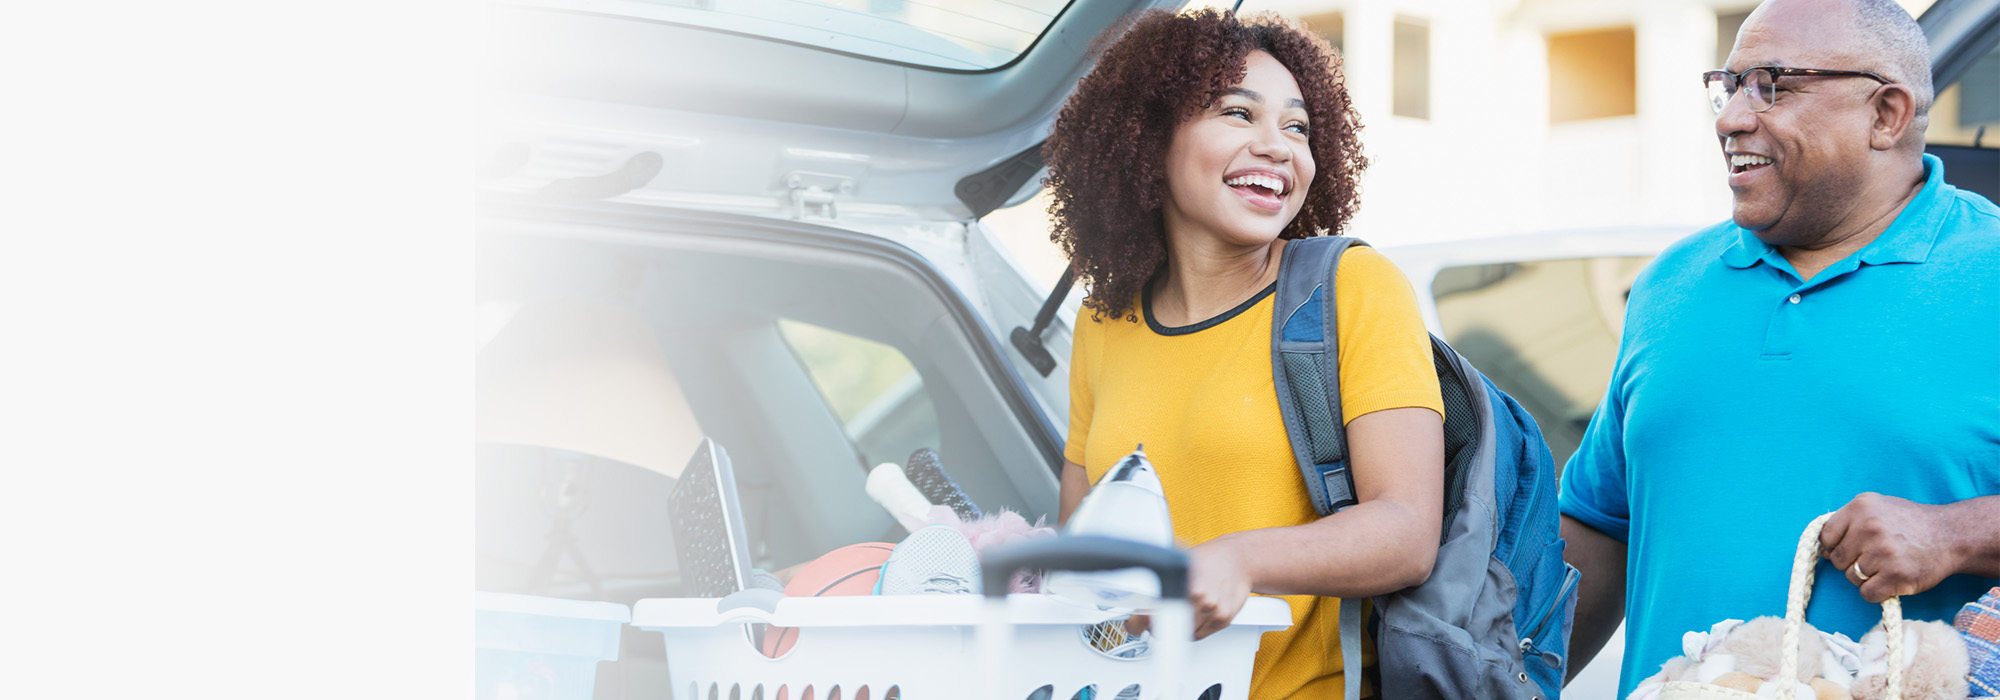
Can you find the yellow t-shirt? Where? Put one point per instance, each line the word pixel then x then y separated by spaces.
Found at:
pixel 1201 399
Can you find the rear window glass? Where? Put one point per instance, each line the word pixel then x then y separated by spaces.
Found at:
pixel 949 34
pixel 873 389
pixel 1546 332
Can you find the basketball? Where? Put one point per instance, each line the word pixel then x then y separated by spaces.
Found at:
pixel 850 570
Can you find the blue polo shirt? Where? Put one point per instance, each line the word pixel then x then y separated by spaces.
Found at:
pixel 1746 402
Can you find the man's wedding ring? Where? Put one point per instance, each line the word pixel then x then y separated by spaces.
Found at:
pixel 1856 570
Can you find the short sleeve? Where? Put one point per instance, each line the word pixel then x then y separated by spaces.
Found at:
pixel 1385 353
pixel 1080 403
pixel 1593 486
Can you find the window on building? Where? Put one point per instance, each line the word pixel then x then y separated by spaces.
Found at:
pixel 1412 89
pixel 1592 75
pixel 1726 26
pixel 1330 26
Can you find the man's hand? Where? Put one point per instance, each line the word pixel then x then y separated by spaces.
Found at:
pixel 1218 586
pixel 1889 546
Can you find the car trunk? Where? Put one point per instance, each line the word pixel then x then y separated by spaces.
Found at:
pixel 747 319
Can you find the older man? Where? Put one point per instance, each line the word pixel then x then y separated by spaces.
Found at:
pixel 1834 347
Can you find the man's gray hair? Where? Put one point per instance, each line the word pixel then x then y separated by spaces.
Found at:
pixel 1898 47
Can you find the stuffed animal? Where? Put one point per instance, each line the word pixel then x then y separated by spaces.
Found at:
pixel 1746 656
pixel 1935 669
pixel 1756 645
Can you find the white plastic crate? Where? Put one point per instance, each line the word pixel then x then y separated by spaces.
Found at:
pixel 533 648
pixel 926 647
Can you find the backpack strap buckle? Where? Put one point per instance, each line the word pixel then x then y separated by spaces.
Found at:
pixel 1339 485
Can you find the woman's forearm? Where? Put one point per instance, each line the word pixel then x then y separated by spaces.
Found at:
pixel 1373 548
pixel 1387 542
pixel 1074 484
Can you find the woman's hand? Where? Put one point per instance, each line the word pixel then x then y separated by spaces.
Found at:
pixel 1218 586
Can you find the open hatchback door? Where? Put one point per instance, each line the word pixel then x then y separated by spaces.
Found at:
pixel 755 222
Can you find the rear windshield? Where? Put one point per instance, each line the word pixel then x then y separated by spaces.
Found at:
pixel 948 34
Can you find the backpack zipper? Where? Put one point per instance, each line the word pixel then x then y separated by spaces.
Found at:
pixel 1547 615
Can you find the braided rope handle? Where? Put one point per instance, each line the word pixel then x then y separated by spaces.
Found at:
pixel 1804 567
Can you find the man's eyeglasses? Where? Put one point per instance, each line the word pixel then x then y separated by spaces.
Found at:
pixel 1762 83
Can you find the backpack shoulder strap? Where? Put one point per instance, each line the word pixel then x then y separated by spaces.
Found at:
pixel 1305 367
pixel 1351 611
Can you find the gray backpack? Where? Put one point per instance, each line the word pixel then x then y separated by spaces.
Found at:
pixel 1493 619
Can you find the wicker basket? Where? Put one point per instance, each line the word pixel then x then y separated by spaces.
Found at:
pixel 1804 563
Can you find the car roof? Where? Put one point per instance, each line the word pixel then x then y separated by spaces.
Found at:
pixel 1617 241
pixel 1422 262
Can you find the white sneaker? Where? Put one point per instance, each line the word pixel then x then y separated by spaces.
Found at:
pixel 935 559
pixel 1110 638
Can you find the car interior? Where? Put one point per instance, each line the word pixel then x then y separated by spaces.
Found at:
pixel 808 357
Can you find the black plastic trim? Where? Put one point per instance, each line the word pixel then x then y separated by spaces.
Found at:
pixel 1029 340
pixel 1085 553
pixel 988 190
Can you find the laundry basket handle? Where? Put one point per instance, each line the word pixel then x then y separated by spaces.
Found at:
pixel 1804 566
pixel 1086 553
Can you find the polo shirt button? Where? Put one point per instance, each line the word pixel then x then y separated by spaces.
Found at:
pixel 1794 299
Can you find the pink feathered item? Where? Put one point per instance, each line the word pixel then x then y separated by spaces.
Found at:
pixel 998 530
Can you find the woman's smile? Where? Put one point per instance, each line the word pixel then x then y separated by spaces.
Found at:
pixel 1238 170
pixel 1264 188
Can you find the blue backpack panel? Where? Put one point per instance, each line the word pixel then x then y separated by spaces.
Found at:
pixel 1493 620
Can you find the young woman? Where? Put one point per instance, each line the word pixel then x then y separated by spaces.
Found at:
pixel 1198 146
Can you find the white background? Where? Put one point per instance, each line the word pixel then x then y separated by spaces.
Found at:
pixel 235 349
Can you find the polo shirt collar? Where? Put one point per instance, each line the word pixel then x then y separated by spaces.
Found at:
pixel 1747 249
pixel 1908 239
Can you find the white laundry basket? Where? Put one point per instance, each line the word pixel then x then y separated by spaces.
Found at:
pixel 927 647
pixel 534 648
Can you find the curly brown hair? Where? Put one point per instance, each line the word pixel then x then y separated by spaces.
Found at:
pixel 1106 158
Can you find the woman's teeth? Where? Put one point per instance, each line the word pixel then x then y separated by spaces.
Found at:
pixel 1265 181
